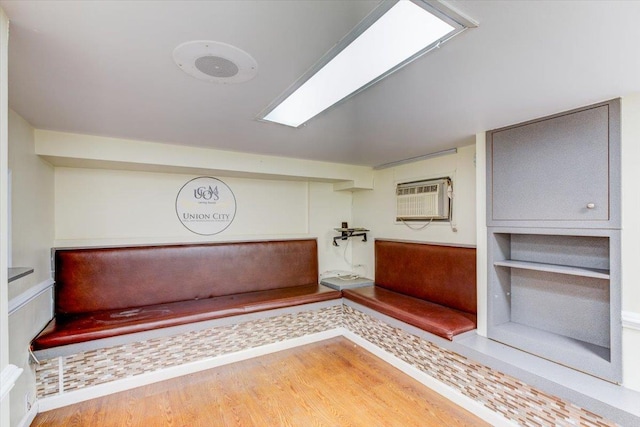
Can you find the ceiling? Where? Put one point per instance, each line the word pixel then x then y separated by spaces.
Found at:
pixel 106 68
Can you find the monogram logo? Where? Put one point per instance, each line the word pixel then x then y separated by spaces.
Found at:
pixel 206 205
pixel 206 193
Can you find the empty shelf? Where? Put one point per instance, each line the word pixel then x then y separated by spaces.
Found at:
pixel 553 268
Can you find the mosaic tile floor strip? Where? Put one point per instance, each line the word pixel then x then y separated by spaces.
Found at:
pixel 501 393
pixel 95 367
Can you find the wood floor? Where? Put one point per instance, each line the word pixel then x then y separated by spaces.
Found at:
pixel 329 383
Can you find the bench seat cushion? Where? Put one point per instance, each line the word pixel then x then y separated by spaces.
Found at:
pixel 444 275
pixel 434 318
pixel 82 327
pixel 95 279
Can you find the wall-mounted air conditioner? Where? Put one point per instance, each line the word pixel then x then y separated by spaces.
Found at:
pixel 423 200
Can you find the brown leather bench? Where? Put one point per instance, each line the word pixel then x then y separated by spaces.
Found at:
pixel 431 287
pixel 107 292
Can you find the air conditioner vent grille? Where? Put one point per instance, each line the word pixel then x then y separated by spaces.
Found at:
pixel 417 190
pixel 423 200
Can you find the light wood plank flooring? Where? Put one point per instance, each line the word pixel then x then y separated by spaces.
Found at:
pixel 329 383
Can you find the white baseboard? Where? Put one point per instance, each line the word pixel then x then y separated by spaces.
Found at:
pixel 441 388
pixel 29 416
pixel 100 390
pixel 77 396
pixel 8 378
pixel 631 320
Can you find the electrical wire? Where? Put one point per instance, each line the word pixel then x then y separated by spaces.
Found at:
pixel 348 277
pixel 344 253
pixel 417 228
pixel 353 275
pixel 340 275
pixel 450 194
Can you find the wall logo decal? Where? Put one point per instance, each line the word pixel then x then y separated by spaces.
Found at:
pixel 206 205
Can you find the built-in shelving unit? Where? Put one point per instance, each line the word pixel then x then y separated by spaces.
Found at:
pixel 553 244
pixel 557 296
pixel 575 351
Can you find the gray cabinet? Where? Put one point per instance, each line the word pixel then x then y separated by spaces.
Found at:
pixel 553 219
pixel 558 171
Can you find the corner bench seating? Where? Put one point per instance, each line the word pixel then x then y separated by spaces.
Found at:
pixel 428 286
pixel 107 292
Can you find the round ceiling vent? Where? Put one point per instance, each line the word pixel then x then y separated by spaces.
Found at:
pixel 215 62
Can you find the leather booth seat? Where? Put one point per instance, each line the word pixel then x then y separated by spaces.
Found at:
pixel 434 318
pixel 76 328
pixel 107 292
pixel 432 287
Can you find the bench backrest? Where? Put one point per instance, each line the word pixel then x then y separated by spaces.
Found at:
pixel 91 279
pixel 445 275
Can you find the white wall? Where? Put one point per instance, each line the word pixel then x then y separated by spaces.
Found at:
pixel 327 209
pixel 95 207
pixel 375 209
pixel 31 206
pixel 98 206
pixel 4 228
pixel 32 222
pixel 631 239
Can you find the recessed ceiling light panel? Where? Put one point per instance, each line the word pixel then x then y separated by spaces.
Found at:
pixel 215 61
pixel 392 36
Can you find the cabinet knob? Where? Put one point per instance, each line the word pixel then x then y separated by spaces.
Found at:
pixel 591 205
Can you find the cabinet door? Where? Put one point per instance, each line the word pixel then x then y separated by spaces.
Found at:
pixel 554 170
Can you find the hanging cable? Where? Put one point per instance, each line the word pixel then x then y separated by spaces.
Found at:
pixel 451 195
pixel 417 228
pixel 344 254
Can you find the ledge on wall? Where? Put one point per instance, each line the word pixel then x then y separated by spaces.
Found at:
pixel 96 152
pixel 9 377
pixel 16 273
pixel 605 398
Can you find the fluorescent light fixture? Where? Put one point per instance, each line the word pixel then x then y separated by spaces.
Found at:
pixel 393 35
pixel 416 159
